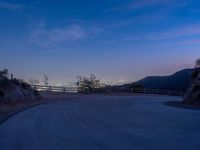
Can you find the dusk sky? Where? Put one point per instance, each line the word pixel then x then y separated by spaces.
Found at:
pixel 113 39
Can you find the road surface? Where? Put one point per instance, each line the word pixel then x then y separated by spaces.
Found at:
pixel 103 123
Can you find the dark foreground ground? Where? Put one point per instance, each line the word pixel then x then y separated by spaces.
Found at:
pixel 103 123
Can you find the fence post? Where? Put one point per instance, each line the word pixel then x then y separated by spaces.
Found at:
pixel 156 91
pixel 168 92
pixel 181 93
pixel 35 87
pixel 131 90
pixel 49 88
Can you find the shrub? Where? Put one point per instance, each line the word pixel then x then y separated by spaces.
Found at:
pixel 88 84
pixel 25 85
pixel 4 82
pixel 198 63
pixel 2 94
pixel 195 73
pixel 136 86
pixel 3 73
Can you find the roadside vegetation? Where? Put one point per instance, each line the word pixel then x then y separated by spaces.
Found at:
pixel 14 90
pixel 88 84
pixel 193 94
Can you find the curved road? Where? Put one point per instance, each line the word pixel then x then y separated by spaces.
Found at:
pixel 103 123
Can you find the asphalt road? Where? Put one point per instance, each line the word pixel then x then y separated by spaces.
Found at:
pixel 103 123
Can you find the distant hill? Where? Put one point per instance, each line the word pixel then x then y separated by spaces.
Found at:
pixel 177 81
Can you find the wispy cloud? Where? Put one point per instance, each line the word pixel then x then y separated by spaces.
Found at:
pixel 192 41
pixel 141 19
pixel 145 3
pixel 171 33
pixel 51 37
pixel 177 32
pixel 162 10
pixel 11 6
pixel 139 4
pixel 48 37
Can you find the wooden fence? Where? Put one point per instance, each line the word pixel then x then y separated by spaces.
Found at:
pixel 55 88
pixel 139 91
pixel 158 92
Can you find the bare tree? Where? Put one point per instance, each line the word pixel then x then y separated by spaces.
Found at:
pixel 198 63
pixel 4 73
pixel 33 81
pixel 87 84
pixel 46 80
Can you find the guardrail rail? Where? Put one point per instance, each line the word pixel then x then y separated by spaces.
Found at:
pixel 158 92
pixel 55 88
pixel 132 90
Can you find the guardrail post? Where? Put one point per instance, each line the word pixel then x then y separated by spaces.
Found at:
pixel 131 90
pixel 181 93
pixel 169 93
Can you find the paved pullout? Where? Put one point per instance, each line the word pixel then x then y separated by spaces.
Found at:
pixel 103 123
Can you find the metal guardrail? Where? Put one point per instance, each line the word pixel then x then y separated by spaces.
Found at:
pixel 55 88
pixel 158 92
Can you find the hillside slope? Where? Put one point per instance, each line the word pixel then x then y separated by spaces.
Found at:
pixel 177 81
pixel 14 90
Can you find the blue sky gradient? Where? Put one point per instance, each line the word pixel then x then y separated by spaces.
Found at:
pixel 113 39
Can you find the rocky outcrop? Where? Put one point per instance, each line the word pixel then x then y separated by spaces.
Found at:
pixel 192 96
pixel 15 91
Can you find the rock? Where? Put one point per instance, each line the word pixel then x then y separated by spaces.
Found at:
pixel 29 94
pixel 192 96
pixel 17 92
pixel 14 90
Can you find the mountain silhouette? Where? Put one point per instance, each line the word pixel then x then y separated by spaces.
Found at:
pixel 177 81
